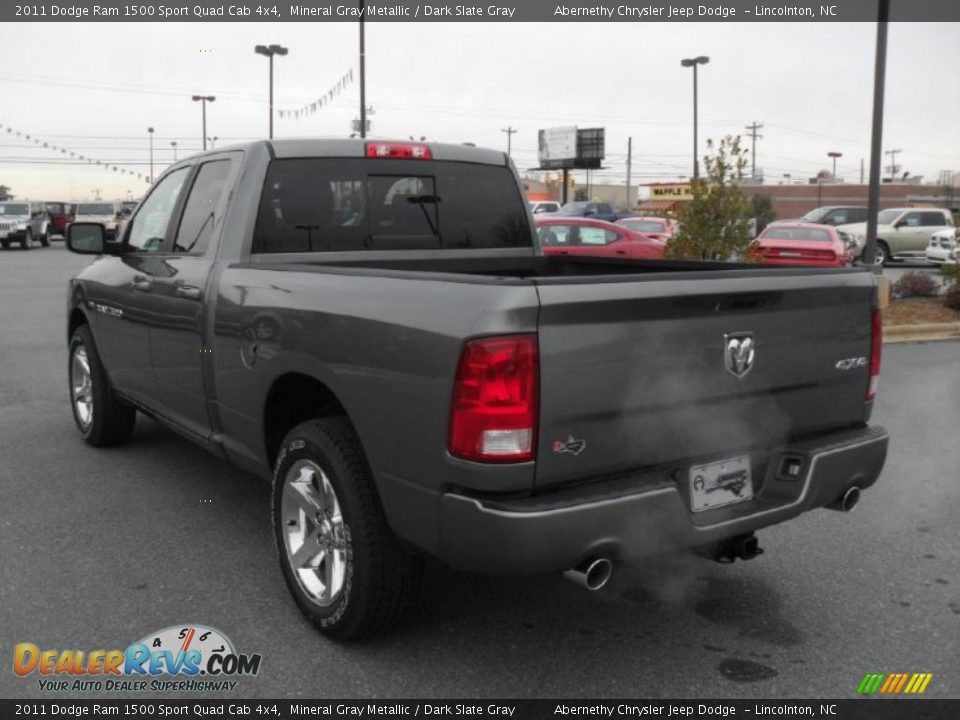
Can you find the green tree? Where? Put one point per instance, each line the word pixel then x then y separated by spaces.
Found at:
pixel 5 193
pixel 715 224
pixel 762 207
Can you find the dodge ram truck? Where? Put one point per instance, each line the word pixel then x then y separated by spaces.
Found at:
pixel 369 327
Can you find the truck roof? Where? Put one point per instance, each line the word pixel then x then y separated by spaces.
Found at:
pixel 355 147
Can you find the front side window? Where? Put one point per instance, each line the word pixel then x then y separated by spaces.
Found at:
pixel 200 212
pixel 149 226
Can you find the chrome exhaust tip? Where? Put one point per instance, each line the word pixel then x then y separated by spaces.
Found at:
pixel 848 501
pixel 592 574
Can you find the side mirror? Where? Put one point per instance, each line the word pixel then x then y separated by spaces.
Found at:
pixel 87 238
pixel 898 224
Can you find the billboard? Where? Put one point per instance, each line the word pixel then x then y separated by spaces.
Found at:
pixel 571 148
pixel 557 147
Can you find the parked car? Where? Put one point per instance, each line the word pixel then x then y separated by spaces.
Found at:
pixel 832 215
pixel 902 232
pixel 15 224
pixel 105 213
pixel 944 247
pixel 538 207
pixel 586 237
pixel 802 244
pixel 659 227
pixel 412 379
pixel 589 209
pixel 50 219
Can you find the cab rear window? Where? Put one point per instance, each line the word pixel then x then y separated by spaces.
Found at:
pixel 345 205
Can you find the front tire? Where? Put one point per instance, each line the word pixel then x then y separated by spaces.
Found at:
pixel 882 253
pixel 345 568
pixel 27 240
pixel 102 417
pixel 45 238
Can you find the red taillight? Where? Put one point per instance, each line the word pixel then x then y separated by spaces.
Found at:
pixel 411 151
pixel 494 409
pixel 876 344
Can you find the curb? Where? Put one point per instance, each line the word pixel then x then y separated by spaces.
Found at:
pixel 922 332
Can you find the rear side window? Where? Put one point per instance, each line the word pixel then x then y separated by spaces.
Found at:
pixel 933 219
pixel 200 212
pixel 344 205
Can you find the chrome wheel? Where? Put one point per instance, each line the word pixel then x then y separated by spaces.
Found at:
pixel 316 538
pixel 81 386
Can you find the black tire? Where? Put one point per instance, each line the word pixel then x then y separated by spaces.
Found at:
pixel 45 238
pixel 27 240
pixel 883 254
pixel 5 244
pixel 381 579
pixel 112 419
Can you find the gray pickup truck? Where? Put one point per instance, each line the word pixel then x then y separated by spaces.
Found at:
pixel 370 327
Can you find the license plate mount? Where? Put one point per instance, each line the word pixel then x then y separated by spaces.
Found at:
pixel 720 483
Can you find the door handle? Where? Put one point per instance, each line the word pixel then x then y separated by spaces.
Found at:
pixel 188 291
pixel 141 283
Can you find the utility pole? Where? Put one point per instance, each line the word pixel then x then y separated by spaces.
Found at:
pixel 753 147
pixel 861 171
pixel 893 167
pixel 869 254
pixel 629 167
pixel 509 130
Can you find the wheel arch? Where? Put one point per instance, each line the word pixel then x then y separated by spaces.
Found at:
pixel 76 319
pixel 295 397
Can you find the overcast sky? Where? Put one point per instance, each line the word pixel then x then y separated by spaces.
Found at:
pixel 95 88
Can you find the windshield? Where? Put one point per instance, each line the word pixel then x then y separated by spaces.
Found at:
pixel 815 214
pixel 14 209
pixel 794 233
pixel 887 216
pixel 95 209
pixel 644 226
pixel 572 208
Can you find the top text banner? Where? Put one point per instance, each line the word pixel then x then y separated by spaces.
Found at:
pixel 500 11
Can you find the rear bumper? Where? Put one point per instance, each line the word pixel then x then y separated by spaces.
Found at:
pixel 635 516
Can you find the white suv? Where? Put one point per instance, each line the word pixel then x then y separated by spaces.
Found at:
pixel 944 247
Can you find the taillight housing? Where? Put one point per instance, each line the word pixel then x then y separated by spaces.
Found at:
pixel 493 416
pixel 876 345
pixel 408 151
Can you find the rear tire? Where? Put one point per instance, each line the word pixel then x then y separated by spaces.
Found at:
pixel 5 244
pixel 101 416
pixel 346 570
pixel 882 256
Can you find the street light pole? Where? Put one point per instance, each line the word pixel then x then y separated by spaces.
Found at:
pixel 876 134
pixel 270 51
pixel 363 76
pixel 693 62
pixel 203 100
pixel 173 144
pixel 150 130
pixel 834 155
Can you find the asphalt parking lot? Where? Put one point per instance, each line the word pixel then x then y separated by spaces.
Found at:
pixel 100 547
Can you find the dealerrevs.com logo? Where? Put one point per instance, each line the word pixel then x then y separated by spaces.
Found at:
pixel 177 658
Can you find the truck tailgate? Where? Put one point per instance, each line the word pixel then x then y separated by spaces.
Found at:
pixel 634 372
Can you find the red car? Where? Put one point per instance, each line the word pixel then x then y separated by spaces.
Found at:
pixel 594 238
pixel 799 243
pixel 657 227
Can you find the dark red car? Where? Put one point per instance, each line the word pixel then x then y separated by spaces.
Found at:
pixel 802 244
pixel 594 238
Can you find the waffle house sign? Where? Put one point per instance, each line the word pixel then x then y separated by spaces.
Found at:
pixel 671 192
